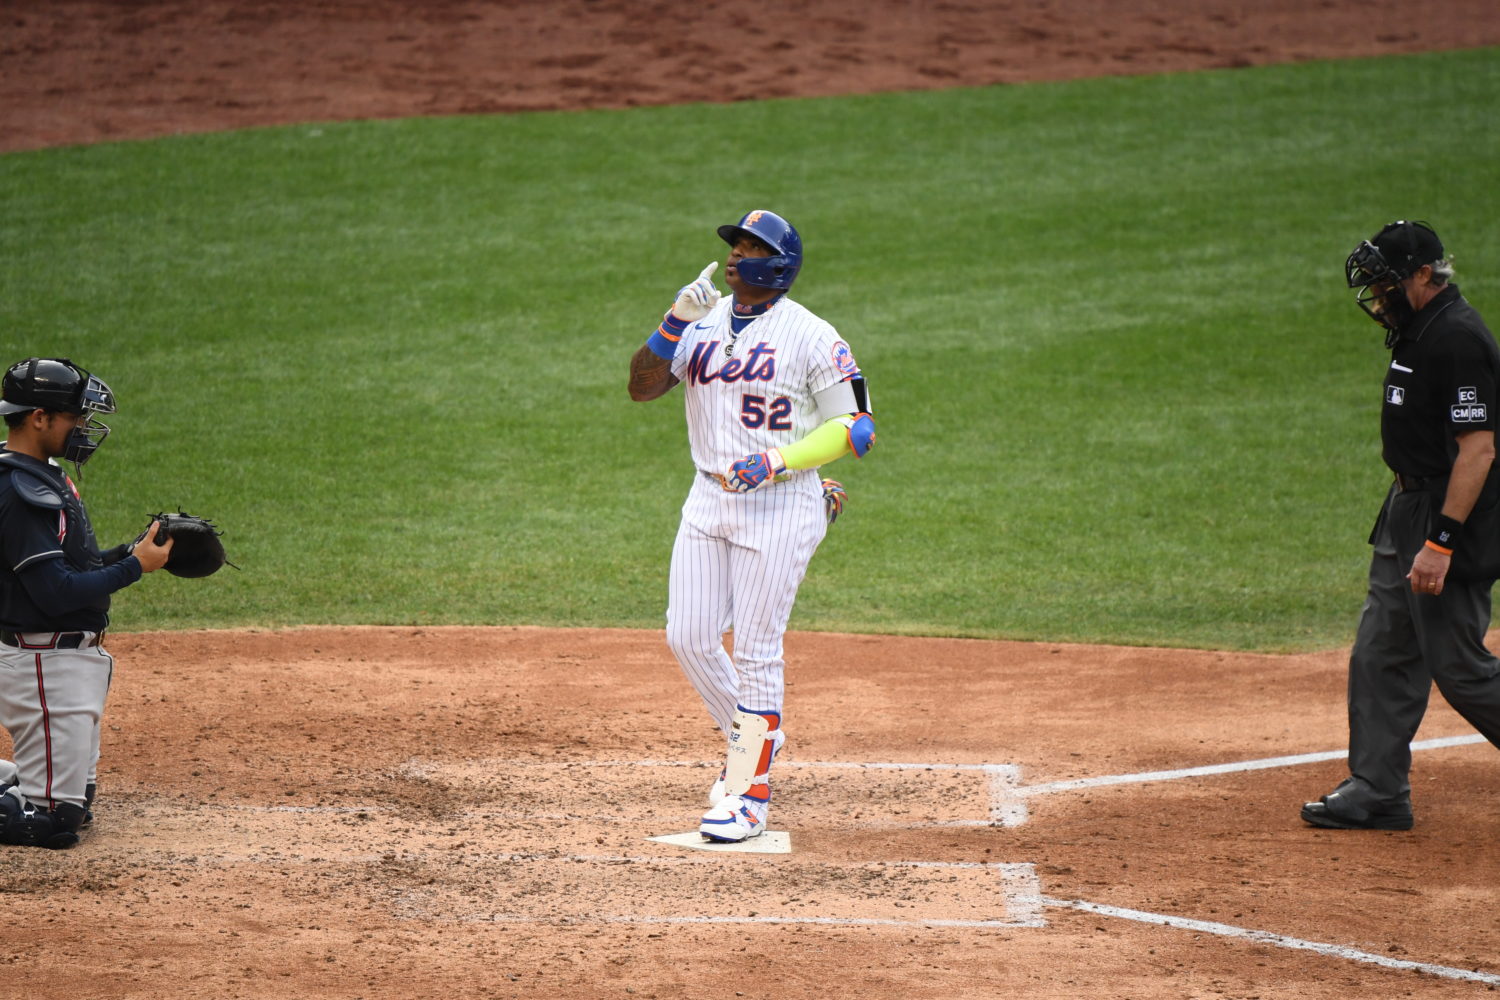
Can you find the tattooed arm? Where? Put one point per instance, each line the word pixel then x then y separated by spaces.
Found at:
pixel 650 375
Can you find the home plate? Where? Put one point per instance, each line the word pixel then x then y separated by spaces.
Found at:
pixel 770 842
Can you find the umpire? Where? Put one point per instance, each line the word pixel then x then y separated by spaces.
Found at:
pixel 1437 539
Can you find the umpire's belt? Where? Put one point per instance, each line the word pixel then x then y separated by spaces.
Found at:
pixel 1405 483
pixel 51 640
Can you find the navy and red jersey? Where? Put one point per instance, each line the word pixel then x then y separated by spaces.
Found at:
pixel 52 575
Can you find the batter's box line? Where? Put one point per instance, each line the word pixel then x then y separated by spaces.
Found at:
pixel 1259 764
pixel 1019 889
pixel 1007 796
pixel 1005 806
pixel 1275 940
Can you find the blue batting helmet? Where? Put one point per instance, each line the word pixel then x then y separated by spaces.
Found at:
pixel 778 270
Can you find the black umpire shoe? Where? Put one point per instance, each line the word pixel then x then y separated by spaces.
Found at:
pixel 1336 812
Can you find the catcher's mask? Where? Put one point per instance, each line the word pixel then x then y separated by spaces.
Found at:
pixel 778 270
pixel 57 385
pixel 1379 265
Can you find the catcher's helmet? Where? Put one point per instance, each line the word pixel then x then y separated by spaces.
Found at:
pixel 778 270
pixel 55 384
pixel 1384 260
pixel 60 386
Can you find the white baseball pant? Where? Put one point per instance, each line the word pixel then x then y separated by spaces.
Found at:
pixel 737 563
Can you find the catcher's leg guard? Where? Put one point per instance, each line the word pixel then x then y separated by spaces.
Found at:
pixel 23 824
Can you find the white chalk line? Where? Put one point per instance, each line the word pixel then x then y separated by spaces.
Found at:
pixel 1007 805
pixel 1020 889
pixel 507 918
pixel 1005 809
pixel 1210 769
pixel 532 816
pixel 426 768
pixel 1277 940
pixel 1020 892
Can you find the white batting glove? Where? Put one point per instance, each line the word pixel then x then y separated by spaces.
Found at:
pixel 695 300
pixel 753 471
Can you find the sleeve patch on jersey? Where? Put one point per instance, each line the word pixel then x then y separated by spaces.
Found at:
pixel 1468 409
pixel 843 359
pixel 1469 413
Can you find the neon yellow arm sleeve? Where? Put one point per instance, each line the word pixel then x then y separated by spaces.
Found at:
pixel 828 442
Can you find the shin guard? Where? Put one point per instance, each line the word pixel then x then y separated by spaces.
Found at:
pixel 751 744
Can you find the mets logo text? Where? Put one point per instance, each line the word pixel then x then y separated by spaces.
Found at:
pixel 759 365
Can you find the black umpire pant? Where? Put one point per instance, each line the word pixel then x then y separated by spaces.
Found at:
pixel 1405 642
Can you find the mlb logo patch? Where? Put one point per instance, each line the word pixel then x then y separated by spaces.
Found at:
pixel 1395 395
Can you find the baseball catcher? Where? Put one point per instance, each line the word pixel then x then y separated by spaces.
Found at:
pixel 55 588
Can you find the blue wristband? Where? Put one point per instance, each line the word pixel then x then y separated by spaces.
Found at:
pixel 661 346
pixel 663 342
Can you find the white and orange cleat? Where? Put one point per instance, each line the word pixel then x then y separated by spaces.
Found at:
pixel 737 818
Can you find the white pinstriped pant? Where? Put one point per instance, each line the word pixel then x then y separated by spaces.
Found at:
pixel 737 563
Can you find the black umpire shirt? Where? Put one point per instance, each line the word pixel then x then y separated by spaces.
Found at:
pixel 52 575
pixel 1442 381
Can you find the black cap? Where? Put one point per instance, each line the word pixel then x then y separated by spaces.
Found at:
pixel 1406 246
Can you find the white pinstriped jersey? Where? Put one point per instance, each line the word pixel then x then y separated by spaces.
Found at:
pixel 758 395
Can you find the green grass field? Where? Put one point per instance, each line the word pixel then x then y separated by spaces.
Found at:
pixel 1123 394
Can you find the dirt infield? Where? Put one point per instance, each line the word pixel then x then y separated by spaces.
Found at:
pixel 403 813
pixel 75 71
pixel 399 813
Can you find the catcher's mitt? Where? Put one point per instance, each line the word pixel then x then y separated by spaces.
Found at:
pixel 196 549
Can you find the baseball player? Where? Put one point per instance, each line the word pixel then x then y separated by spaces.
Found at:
pixel 771 393
pixel 54 601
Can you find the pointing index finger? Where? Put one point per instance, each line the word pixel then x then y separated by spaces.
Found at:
pixel 708 271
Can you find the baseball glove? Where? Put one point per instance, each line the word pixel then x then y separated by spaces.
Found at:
pixel 196 549
pixel 833 499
